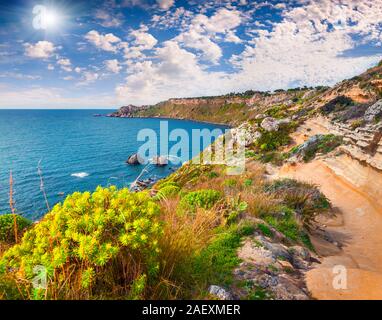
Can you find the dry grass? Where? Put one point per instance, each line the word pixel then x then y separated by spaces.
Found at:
pixel 184 237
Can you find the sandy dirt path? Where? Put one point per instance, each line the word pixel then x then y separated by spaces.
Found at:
pixel 360 233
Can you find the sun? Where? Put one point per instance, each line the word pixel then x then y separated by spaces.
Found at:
pixel 46 18
pixel 52 19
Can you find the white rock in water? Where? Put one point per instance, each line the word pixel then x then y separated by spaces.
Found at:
pixel 219 292
pixel 160 161
pixel 135 159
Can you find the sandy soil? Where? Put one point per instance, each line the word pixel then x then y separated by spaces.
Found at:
pixel 359 231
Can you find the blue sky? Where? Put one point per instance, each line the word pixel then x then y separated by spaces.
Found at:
pixel 103 54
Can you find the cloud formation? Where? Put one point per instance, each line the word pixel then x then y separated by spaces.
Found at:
pixel 40 50
pixel 105 42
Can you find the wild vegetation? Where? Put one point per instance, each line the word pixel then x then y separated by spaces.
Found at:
pixel 181 236
pixel 174 244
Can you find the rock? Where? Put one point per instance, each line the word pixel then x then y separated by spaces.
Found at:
pixel 127 111
pixel 300 257
pixel 254 252
pixel 266 281
pixel 277 249
pixel 373 111
pixel 135 159
pixel 219 292
pixel 160 161
pixel 245 134
pixel 312 142
pixel 260 116
pixel 270 124
pixel 299 263
pixel 289 289
pixel 285 264
pixel 300 252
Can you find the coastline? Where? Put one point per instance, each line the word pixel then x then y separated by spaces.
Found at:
pixel 179 119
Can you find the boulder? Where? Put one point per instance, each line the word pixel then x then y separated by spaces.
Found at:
pixel 270 124
pixel 312 142
pixel 135 159
pixel 219 292
pixel 245 134
pixel 160 161
pixel 373 111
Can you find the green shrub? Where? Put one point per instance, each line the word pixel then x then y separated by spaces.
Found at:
pixel 326 144
pixel 286 224
pixel 212 174
pixel 167 192
pixel 248 182
pixel 92 245
pixel 266 231
pixel 230 183
pixel 339 103
pixel 304 198
pixel 216 262
pixel 205 199
pixel 7 231
pixel 272 140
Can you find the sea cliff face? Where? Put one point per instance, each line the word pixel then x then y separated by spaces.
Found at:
pixel 232 109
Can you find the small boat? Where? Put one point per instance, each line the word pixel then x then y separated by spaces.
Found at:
pixel 97 115
pixel 61 194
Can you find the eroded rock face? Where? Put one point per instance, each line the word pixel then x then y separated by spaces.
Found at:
pixel 374 111
pixel 274 267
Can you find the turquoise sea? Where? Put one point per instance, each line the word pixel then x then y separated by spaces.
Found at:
pixel 76 151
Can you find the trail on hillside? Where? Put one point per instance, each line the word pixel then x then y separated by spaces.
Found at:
pixel 358 228
pixel 360 234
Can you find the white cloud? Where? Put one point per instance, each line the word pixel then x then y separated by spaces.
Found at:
pixel 50 67
pixel 232 37
pixel 40 50
pixel 88 77
pixel 105 42
pixel 165 4
pixel 107 19
pixel 171 76
pixel 202 30
pixel 143 40
pixel 222 21
pixel 113 66
pixel 65 64
pixel 192 39
pixel 19 76
pixel 306 47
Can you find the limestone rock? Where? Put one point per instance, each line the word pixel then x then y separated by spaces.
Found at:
pixel 135 159
pixel 270 124
pixel 374 111
pixel 245 134
pixel 219 292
